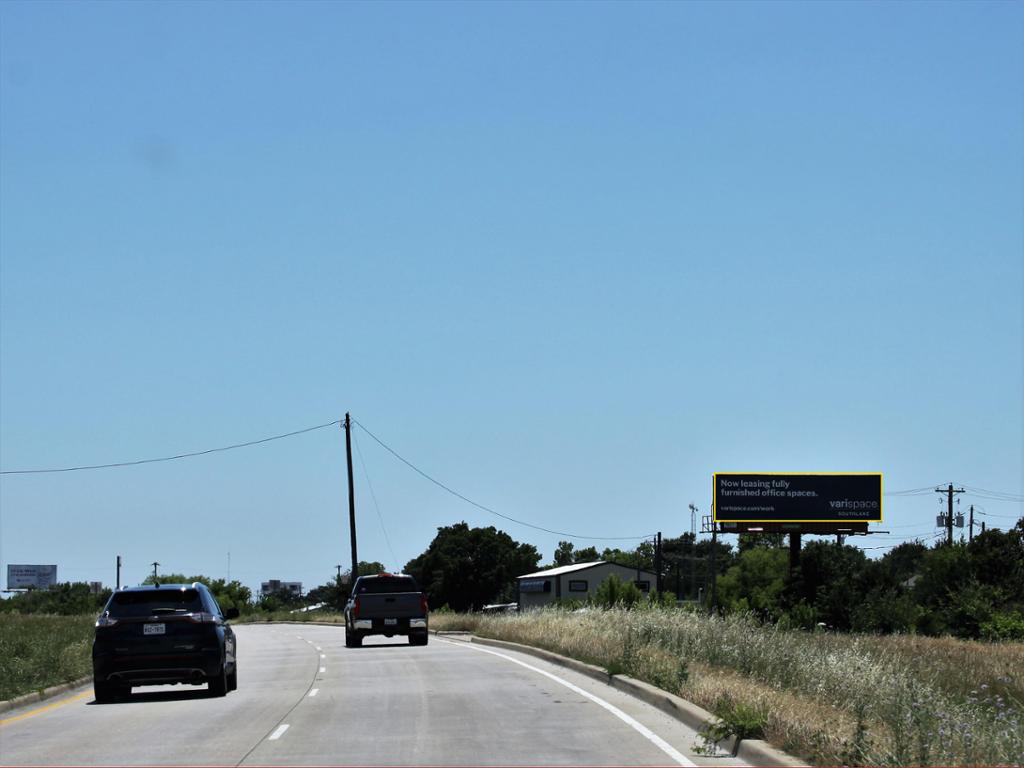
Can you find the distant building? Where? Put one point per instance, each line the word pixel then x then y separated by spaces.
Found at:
pixel 576 582
pixel 274 585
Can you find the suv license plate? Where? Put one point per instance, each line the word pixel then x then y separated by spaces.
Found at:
pixel 154 629
pixel 390 622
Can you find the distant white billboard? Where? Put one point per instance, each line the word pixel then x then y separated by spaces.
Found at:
pixel 276 585
pixel 31 576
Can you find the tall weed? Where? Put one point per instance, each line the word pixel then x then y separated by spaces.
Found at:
pixel 39 651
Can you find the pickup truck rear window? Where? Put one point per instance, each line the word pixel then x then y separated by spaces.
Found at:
pixel 125 605
pixel 386 585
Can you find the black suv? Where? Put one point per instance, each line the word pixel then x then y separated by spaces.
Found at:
pixel 168 633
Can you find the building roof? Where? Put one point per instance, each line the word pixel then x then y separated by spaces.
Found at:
pixel 572 569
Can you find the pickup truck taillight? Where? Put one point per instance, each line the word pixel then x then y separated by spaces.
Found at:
pixel 355 609
pixel 424 605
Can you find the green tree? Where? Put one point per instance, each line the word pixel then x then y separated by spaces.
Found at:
pixel 567 554
pixel 466 568
pixel 831 578
pixel 229 594
pixel 642 557
pixel 564 554
pixel 333 595
pixel 64 599
pixel 613 591
pixel 757 583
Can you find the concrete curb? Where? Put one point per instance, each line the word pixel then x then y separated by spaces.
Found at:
pixel 47 693
pixel 753 751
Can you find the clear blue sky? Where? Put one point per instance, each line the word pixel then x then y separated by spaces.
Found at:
pixel 570 259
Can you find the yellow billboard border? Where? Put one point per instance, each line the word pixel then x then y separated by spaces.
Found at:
pixel 714 496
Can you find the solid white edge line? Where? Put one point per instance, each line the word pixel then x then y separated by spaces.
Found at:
pixel 278 733
pixel 640 728
pixel 314 692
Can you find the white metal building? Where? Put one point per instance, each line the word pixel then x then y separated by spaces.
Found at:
pixel 576 582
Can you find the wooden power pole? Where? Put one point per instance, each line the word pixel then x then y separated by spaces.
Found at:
pixel 351 500
pixel 949 512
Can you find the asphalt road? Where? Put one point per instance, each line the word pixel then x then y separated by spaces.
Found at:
pixel 305 699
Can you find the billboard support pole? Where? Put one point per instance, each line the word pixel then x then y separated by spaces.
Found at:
pixel 794 552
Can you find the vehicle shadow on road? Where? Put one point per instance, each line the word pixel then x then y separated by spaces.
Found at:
pixel 370 646
pixel 154 696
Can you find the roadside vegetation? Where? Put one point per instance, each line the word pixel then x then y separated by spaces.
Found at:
pixel 39 651
pixel 835 699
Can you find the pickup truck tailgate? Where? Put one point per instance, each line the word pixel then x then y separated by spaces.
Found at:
pixel 400 605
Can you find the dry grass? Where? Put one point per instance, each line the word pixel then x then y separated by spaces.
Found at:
pixel 831 698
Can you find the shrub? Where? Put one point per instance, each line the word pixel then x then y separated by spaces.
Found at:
pixel 1004 626
pixel 613 592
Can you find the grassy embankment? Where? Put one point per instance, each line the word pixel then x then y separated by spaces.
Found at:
pixel 39 651
pixel 834 699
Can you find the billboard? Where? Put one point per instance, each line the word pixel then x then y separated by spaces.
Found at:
pixel 782 497
pixel 31 576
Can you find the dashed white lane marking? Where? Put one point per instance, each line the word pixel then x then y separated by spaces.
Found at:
pixel 278 733
pixel 314 692
pixel 319 648
pixel 640 728
pixel 322 670
pixel 323 655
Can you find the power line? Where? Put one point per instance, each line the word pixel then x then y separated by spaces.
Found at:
pixel 989 514
pixel 387 539
pixel 458 495
pixel 169 458
pixel 911 492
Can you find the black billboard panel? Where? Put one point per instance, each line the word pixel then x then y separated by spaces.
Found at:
pixel 779 497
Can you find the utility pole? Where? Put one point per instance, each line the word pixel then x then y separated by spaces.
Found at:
pixel 693 549
pixel 351 499
pixel 154 571
pixel 118 571
pixel 657 564
pixel 970 535
pixel 714 552
pixel 338 566
pixel 949 512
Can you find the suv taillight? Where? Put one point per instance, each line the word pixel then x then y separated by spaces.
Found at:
pixel 202 618
pixel 424 605
pixel 105 621
pixel 355 609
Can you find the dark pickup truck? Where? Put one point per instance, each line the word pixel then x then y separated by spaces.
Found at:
pixel 387 604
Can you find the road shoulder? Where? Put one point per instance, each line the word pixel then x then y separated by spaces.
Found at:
pixel 752 751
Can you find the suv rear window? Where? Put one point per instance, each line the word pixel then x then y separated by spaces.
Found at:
pixel 387 584
pixel 125 605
